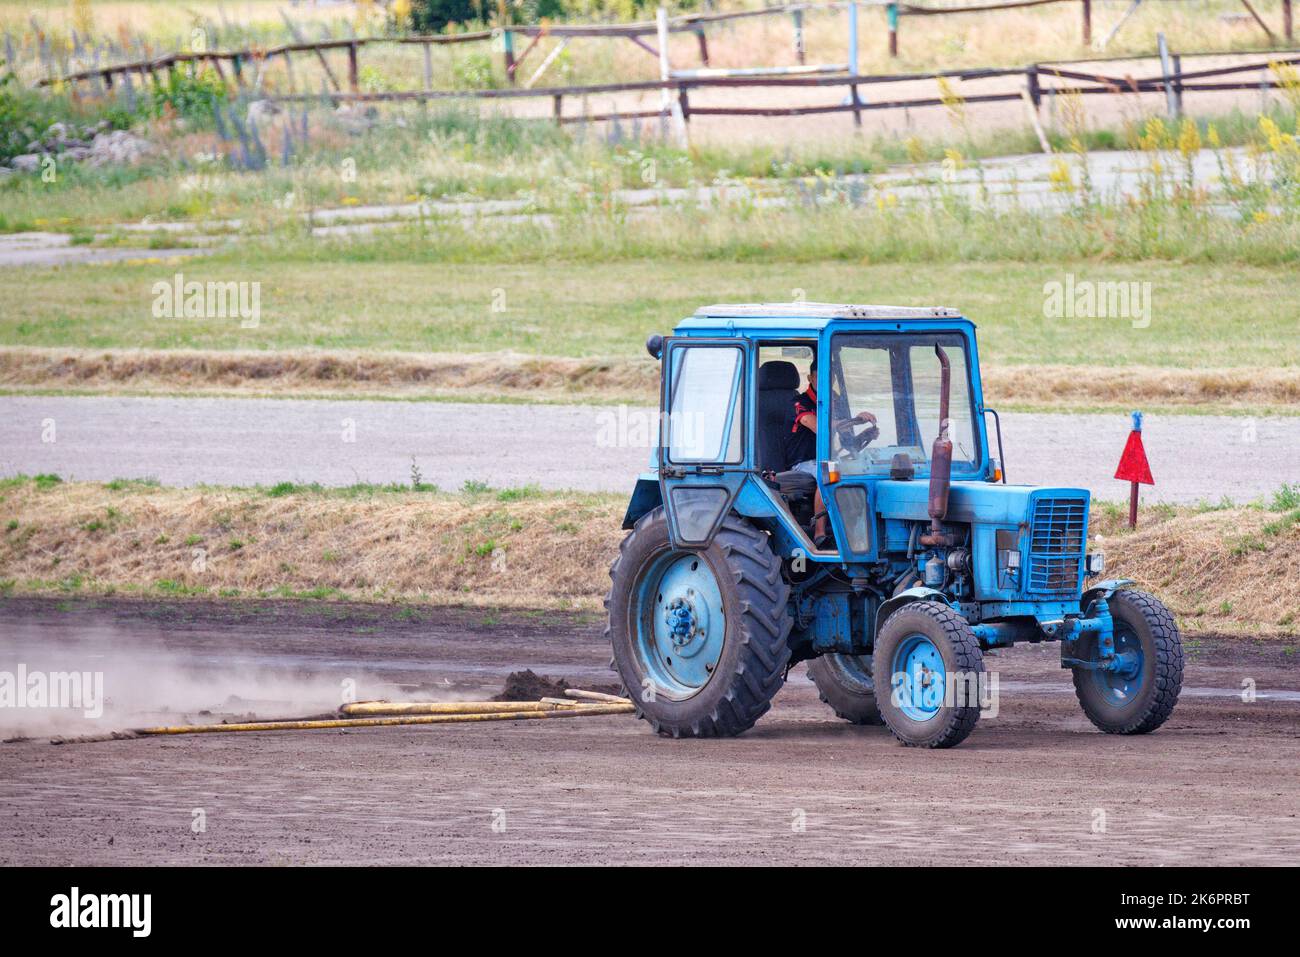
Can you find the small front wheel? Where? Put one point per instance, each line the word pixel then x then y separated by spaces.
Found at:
pixel 1140 693
pixel 931 659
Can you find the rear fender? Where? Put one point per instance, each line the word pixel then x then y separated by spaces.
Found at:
pixel 645 498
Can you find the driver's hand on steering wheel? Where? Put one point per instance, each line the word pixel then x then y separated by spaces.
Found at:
pixel 864 418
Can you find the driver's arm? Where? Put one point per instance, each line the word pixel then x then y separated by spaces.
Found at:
pixel 809 421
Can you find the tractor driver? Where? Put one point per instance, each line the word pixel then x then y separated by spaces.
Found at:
pixel 802 447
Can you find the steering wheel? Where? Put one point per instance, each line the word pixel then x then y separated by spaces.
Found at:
pixel 855 442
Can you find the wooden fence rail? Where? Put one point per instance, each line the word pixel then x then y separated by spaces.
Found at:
pixel 1042 80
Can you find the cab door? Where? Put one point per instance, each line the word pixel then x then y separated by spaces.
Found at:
pixel 704 434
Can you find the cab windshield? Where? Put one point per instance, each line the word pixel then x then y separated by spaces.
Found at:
pixel 895 378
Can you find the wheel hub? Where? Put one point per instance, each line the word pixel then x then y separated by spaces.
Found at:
pixel 683 624
pixel 688 623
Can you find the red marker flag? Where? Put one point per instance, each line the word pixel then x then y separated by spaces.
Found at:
pixel 1133 465
pixel 1133 468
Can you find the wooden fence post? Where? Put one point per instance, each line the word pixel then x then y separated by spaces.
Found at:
pixel 853 37
pixel 1031 82
pixel 1087 23
pixel 891 17
pixel 1178 83
pixel 428 66
pixel 857 105
pixel 508 54
pixel 1287 27
pixel 799 53
pixel 704 45
pixel 1166 70
pixel 353 72
pixel 557 110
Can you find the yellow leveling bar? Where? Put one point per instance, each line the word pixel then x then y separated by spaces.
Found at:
pixel 451 707
pixel 387 722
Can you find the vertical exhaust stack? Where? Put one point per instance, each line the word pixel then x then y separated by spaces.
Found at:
pixel 940 459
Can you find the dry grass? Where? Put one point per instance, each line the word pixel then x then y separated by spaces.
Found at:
pixel 1225 570
pixel 544 378
pixel 1045 33
pixel 1221 571
pixel 376 374
pixel 534 551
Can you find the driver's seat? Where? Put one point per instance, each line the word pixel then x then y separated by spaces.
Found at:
pixel 777 383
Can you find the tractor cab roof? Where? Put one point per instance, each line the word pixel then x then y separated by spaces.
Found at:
pixel 803 316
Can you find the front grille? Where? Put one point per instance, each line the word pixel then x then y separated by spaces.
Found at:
pixel 1056 544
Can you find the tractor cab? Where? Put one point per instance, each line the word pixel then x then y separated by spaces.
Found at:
pixel 824 478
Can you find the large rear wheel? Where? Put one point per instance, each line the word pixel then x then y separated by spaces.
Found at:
pixel 844 682
pixel 699 637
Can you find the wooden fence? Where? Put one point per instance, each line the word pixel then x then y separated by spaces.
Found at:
pixel 1041 81
pixel 239 62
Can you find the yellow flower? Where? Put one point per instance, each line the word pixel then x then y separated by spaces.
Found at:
pixel 1060 176
pixel 1189 139
pixel 1271 133
pixel 1212 136
pixel 1261 216
pixel 350 201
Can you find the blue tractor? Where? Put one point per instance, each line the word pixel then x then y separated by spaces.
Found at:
pixel 861 524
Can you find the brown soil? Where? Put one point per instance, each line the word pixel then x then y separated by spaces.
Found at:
pixel 527 686
pixel 1216 785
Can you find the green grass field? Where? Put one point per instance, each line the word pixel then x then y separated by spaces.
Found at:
pixel 1201 315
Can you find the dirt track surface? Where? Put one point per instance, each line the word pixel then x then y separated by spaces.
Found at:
pixel 265 441
pixel 1217 785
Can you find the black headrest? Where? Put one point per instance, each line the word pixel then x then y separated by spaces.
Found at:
pixel 778 375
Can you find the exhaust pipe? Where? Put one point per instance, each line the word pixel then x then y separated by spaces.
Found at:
pixel 940 460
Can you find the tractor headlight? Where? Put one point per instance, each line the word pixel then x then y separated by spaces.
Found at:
pixel 1096 563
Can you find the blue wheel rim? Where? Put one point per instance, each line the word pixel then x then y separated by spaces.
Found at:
pixel 1120 688
pixel 681 625
pixel 919 678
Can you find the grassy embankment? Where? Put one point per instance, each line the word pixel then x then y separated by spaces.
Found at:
pixel 1222 569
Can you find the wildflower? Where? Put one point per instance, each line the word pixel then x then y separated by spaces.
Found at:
pixel 1060 177
pixel 1189 139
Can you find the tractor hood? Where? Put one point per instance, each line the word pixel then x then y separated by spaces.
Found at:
pixel 973 502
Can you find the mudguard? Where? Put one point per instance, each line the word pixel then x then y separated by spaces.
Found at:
pixel 645 498
pixel 918 593
pixel 1102 590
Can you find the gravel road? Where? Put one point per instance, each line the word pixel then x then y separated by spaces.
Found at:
pixel 593 448
pixel 1216 785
